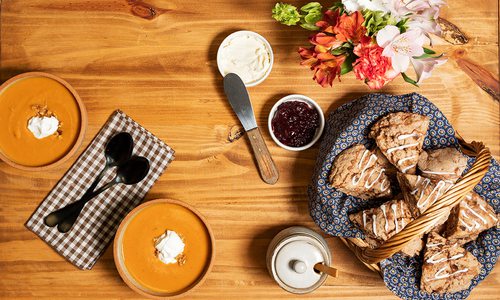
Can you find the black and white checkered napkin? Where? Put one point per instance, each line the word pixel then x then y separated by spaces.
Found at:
pixel 99 220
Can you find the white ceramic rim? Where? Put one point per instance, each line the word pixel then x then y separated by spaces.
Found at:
pixel 266 43
pixel 297 97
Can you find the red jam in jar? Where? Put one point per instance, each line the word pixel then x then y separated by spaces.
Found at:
pixel 295 123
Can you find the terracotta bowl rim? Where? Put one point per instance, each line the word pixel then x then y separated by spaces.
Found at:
pixel 83 122
pixel 117 258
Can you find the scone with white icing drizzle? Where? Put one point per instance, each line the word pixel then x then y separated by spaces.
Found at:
pixel 447 268
pixel 442 164
pixel 400 136
pixel 421 192
pixel 357 172
pixel 381 223
pixel 469 218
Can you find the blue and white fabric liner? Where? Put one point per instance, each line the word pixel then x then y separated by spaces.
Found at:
pixel 329 208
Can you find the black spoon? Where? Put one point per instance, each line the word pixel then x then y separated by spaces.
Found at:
pixel 118 150
pixel 130 172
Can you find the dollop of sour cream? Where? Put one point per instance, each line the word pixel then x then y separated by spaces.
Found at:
pixel 42 127
pixel 245 55
pixel 169 246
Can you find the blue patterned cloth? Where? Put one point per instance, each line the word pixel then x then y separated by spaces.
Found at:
pixel 329 208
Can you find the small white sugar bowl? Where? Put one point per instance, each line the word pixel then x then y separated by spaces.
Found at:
pixel 294 257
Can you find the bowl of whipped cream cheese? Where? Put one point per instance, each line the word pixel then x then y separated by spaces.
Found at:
pixel 164 248
pixel 43 121
pixel 247 54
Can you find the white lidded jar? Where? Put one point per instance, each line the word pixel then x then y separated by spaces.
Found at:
pixel 292 256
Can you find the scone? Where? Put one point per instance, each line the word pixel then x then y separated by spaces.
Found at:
pixel 442 164
pixel 356 172
pixel 400 137
pixel 421 192
pixel 381 223
pixel 469 218
pixel 447 268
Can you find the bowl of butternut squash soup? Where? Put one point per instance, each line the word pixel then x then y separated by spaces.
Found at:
pixel 43 121
pixel 163 248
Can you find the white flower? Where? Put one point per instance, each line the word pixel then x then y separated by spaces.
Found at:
pixel 351 5
pixel 397 9
pixel 419 5
pixel 426 21
pixel 400 47
pixel 424 66
pixel 375 5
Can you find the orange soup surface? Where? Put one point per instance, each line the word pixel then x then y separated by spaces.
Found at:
pixel 17 103
pixel 139 247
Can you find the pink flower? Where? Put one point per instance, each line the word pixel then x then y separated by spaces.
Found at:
pixel 371 67
pixel 400 47
pixel 424 66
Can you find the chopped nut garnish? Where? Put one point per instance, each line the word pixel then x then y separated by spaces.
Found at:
pixel 181 259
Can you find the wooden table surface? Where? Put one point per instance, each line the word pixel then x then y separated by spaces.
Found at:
pixel 162 72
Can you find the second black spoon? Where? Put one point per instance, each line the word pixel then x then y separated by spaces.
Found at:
pixel 131 172
pixel 118 150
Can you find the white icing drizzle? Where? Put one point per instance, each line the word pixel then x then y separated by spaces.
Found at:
pixel 382 187
pixel 369 185
pixel 468 197
pixel 434 245
pixel 466 225
pixel 402 160
pixel 405 136
pixel 404 170
pixel 490 214
pixel 374 224
pixel 364 219
pixel 390 150
pixel 386 225
pixel 373 158
pixel 437 172
pixel 438 274
pixel 402 214
pixel 475 213
pixel 432 259
pixel 438 190
pixel 420 187
pixel 367 165
pixel 395 213
pixel 362 158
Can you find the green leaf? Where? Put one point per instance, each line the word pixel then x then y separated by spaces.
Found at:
pixel 338 51
pixel 429 51
pixel 309 26
pixel 311 6
pixel 346 66
pixel 313 17
pixel 286 14
pixel 409 80
pixel 425 55
pixel 338 6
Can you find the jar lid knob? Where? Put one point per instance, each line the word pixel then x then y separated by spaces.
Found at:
pixel 299 266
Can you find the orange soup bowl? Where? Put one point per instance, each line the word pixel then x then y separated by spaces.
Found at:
pixel 36 95
pixel 135 254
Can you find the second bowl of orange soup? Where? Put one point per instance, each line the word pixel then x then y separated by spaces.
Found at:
pixel 164 248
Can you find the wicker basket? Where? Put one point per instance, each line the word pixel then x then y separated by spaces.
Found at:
pixel 371 257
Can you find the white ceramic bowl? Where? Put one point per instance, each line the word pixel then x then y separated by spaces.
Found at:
pixel 258 36
pixel 312 103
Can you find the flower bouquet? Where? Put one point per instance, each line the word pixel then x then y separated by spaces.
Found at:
pixel 376 39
